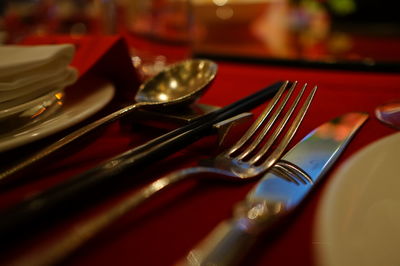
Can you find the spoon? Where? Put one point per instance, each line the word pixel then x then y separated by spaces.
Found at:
pixel 389 113
pixel 177 85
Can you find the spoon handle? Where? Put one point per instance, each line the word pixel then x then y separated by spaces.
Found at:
pixel 48 150
pixel 70 195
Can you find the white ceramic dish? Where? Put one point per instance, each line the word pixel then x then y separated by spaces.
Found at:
pixel 358 221
pixel 12 108
pixel 74 110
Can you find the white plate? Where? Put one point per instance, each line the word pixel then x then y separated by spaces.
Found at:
pixel 12 108
pixel 74 110
pixel 358 220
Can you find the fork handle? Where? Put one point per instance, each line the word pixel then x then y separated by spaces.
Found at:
pixel 81 233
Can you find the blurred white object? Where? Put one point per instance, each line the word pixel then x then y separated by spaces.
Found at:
pixel 31 71
pixel 359 215
pixel 74 110
pixel 32 80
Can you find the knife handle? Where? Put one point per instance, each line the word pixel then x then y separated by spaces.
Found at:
pixel 231 240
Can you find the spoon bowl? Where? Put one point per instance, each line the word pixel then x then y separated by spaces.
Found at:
pixel 179 84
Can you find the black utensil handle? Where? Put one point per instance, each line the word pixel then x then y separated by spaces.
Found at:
pixel 71 192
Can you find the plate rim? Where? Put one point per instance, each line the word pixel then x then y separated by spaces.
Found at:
pixel 103 93
pixel 322 252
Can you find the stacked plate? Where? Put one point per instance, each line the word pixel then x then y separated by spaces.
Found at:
pixel 32 80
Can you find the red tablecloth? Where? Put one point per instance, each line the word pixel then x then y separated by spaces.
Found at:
pixel 163 230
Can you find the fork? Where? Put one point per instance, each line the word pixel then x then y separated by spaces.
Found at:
pixel 240 161
pixel 244 160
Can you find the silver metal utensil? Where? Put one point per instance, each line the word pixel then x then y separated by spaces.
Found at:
pixel 277 194
pixel 248 157
pixel 227 165
pixel 389 113
pixel 178 84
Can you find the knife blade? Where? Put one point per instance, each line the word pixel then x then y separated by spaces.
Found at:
pixel 277 194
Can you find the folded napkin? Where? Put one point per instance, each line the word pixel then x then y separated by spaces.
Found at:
pixel 28 72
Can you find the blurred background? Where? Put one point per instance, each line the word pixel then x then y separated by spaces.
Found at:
pixel 328 31
pixel 321 30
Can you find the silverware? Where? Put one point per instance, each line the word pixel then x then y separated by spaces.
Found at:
pixel 227 164
pixel 277 194
pixel 179 84
pixel 246 159
pixel 389 114
pixel 16 221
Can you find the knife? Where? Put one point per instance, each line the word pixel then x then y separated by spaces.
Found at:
pixel 277 194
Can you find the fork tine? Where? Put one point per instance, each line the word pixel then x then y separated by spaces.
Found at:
pixel 275 155
pixel 268 126
pixel 286 174
pixel 293 170
pixel 259 121
pixel 278 130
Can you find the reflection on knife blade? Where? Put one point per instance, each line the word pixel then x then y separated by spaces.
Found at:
pixel 278 193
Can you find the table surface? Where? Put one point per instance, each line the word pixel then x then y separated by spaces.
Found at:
pixel 163 230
